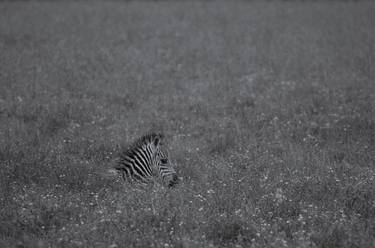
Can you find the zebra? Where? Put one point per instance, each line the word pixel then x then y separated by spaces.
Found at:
pixel 145 160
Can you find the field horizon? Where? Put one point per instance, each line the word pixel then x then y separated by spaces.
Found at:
pixel 267 110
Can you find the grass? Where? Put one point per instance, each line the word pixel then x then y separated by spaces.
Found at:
pixel 267 108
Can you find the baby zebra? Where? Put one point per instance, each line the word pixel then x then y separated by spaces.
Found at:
pixel 146 159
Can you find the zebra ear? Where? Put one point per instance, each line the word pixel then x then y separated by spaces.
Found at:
pixel 157 140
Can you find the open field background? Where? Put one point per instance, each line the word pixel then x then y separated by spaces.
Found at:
pixel 267 108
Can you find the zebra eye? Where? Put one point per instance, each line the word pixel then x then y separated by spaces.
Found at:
pixel 164 160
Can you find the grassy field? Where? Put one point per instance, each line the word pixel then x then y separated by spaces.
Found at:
pixel 267 109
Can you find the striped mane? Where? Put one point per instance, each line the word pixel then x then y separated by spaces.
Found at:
pixel 140 142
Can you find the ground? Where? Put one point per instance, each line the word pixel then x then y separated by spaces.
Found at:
pixel 267 110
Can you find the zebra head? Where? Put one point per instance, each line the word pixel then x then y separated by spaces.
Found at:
pixel 165 169
pixel 163 165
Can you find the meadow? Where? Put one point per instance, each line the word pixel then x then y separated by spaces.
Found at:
pixel 267 110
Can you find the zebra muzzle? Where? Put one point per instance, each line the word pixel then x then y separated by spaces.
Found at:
pixel 173 181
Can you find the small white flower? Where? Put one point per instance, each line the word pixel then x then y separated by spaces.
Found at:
pixel 210 191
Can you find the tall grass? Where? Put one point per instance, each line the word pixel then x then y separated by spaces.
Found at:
pixel 267 107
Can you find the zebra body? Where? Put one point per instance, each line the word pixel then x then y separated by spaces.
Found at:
pixel 146 160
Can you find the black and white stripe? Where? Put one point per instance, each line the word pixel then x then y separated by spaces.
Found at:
pixel 145 160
